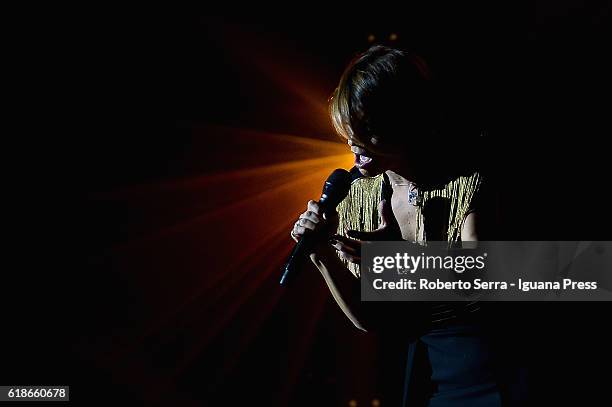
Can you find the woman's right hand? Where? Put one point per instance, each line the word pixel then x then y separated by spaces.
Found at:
pixel 313 220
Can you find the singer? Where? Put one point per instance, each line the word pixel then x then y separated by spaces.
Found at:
pixel 416 182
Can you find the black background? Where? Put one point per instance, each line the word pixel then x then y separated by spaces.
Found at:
pixel 118 96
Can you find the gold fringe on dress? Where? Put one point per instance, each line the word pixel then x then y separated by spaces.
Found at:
pixel 359 210
pixel 460 192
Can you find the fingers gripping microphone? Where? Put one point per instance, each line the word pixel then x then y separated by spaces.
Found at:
pixel 335 189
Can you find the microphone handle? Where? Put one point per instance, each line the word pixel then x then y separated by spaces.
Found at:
pixel 297 257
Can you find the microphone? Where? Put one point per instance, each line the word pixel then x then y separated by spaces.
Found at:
pixel 335 189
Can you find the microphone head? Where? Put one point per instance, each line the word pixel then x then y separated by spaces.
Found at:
pixel 336 188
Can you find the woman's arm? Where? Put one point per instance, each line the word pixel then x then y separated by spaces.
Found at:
pixel 342 284
pixel 345 288
pixel 469 230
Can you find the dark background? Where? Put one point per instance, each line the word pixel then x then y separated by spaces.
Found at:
pixel 151 121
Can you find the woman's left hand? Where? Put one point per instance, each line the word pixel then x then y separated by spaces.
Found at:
pixel 349 248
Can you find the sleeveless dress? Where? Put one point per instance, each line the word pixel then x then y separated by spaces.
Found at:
pixel 452 362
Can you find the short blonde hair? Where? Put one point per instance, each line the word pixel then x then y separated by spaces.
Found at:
pixel 379 87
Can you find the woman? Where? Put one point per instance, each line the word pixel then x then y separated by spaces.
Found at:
pixel 409 188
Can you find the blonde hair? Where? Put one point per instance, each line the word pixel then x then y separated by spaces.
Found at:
pixel 375 92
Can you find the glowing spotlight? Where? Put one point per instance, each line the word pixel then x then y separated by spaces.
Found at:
pixel 371 38
pixel 393 37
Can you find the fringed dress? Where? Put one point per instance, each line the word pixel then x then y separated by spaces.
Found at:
pixel 452 362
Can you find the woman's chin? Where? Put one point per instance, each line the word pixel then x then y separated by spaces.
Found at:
pixel 367 166
pixel 370 171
